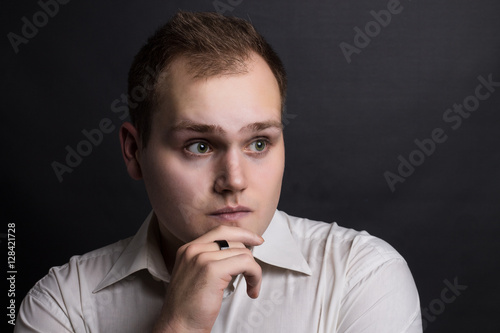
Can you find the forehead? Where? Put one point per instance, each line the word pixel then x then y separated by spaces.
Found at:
pixel 230 101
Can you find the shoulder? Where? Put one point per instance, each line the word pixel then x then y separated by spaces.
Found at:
pixel 357 253
pixel 89 269
pixel 367 279
pixel 55 301
pixel 97 260
pixel 305 230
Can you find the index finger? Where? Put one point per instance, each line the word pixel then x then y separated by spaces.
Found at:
pixel 233 234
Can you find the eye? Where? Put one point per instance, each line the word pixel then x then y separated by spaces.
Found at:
pixel 199 148
pixel 258 145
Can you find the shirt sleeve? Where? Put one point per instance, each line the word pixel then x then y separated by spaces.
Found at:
pixel 39 313
pixel 48 307
pixel 383 298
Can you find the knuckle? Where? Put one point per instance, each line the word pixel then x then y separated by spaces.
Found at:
pixel 247 252
pixel 190 250
pixel 247 256
pixel 180 252
pixel 209 268
pixel 200 259
pixel 259 268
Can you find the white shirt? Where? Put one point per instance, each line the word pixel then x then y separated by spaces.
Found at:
pixel 316 277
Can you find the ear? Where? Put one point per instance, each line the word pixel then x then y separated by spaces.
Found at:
pixel 129 140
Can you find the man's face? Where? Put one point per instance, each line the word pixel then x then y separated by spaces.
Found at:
pixel 216 152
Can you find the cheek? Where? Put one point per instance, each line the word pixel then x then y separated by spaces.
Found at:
pixel 268 178
pixel 176 183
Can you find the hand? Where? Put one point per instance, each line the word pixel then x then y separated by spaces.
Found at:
pixel 200 275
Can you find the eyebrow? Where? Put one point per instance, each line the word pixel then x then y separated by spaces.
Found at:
pixel 188 125
pixel 259 126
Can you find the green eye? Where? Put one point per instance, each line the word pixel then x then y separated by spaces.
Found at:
pixel 199 148
pixel 259 145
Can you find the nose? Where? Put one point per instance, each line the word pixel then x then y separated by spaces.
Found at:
pixel 230 173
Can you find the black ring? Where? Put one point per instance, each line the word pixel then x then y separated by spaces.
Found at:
pixel 223 244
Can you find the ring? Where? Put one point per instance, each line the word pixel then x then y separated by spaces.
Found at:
pixel 223 244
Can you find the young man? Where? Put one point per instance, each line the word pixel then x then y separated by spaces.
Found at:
pixel 215 255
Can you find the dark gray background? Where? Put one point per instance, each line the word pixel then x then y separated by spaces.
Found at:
pixel 347 125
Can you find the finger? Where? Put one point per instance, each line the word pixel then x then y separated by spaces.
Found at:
pixel 232 245
pixel 253 282
pixel 205 257
pixel 246 265
pixel 234 234
pixel 193 249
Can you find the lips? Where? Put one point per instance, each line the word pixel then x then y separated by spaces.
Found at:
pixel 231 213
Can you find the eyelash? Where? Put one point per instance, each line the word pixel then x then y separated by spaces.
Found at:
pixel 257 153
pixel 190 153
pixel 266 148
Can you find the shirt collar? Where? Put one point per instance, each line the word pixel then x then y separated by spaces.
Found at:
pixel 143 252
pixel 279 248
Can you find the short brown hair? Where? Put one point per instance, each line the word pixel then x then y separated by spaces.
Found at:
pixel 213 45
